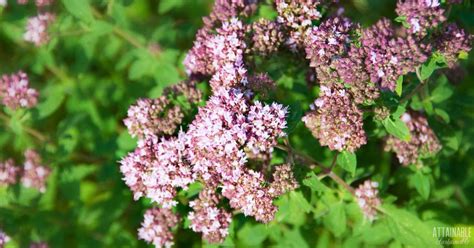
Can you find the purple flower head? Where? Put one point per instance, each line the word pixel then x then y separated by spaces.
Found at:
pixel 336 121
pixel 153 117
pixel 328 41
pixel 15 93
pixel 452 42
pixel 8 172
pixel 368 199
pixel 40 244
pixel 283 180
pixel 421 15
pixel 267 37
pixel 37 29
pixel 4 238
pixel 249 195
pixel 34 174
pixel 423 140
pixel 207 218
pixel 156 227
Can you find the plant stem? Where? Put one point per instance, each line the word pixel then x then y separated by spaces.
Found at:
pixel 311 163
pixel 418 87
pixel 121 33
pixel 29 130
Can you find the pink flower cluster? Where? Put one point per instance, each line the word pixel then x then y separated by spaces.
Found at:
pixel 421 15
pixel 336 121
pixel 207 218
pixel 423 140
pixel 37 29
pixel 368 198
pixel 40 244
pixel 351 64
pixel 4 239
pixel 39 3
pixel 156 227
pixel 15 92
pixel 32 174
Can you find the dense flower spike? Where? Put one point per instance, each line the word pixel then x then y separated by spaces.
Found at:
pixel 161 116
pixel 387 57
pixel 267 37
pixel 327 41
pixel 423 140
pixel 368 198
pixel 217 134
pixel 15 93
pixel 297 16
pixel 37 29
pixel 153 117
pixel 227 49
pixel 34 174
pixel 156 227
pixel 452 42
pixel 8 173
pixel 39 245
pixel 42 3
pixel 223 10
pixel 421 15
pixel 207 218
pixel 266 124
pixel 156 168
pixel 249 195
pixel 283 180
pixel 4 239
pixel 336 121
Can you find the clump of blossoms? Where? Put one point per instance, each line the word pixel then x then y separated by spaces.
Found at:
pixel 156 227
pixel 368 198
pixel 160 116
pixel 34 175
pixel 15 92
pixel 423 140
pixel 37 29
pixel 336 121
pixel 222 147
pixel 207 218
pixel 421 15
pixel 4 238
pixel 8 172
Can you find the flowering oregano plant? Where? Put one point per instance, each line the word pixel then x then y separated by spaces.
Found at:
pixel 228 146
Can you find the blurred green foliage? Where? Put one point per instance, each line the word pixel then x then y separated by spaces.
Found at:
pixel 104 55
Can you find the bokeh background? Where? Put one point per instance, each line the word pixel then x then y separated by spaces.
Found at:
pixel 102 59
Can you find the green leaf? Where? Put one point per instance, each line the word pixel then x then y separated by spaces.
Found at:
pixel 347 161
pixel 301 202
pixel 315 184
pixel 463 55
pixel 167 5
pixel 399 87
pixel 253 235
pixel 79 9
pixel 397 128
pixel 335 220
pixel 443 114
pixel 442 92
pixel 422 184
pixel 408 228
pixel 267 12
pixel 403 21
pixel 436 61
pixel 53 99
